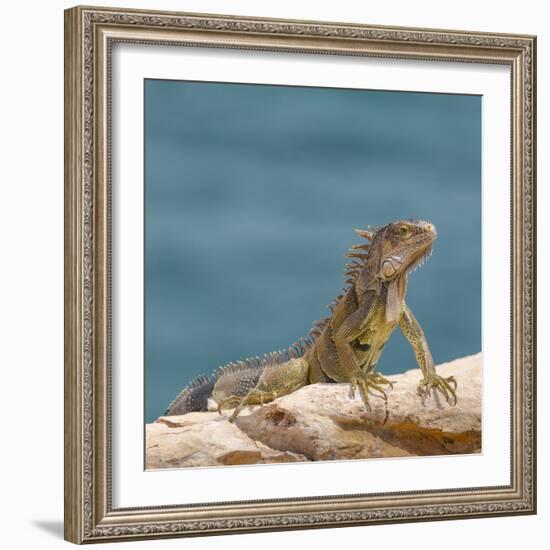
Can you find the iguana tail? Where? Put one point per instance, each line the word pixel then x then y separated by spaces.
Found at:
pixel 194 397
pixel 235 379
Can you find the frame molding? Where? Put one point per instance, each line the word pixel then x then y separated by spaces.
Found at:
pixel 89 35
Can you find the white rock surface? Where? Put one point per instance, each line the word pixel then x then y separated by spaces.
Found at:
pixel 205 439
pixel 322 422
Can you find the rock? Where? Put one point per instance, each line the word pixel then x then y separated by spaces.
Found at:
pixel 205 439
pixel 322 422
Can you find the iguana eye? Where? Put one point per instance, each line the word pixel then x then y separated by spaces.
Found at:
pixel 403 230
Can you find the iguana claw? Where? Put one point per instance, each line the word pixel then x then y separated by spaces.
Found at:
pixel 440 383
pixel 370 381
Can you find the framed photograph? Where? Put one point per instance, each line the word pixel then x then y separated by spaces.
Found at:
pixel 249 343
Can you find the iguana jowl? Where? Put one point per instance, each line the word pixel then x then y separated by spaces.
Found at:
pixel 346 346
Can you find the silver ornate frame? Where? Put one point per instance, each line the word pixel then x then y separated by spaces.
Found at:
pixel 89 36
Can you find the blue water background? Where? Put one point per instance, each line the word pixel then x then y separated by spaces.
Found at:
pixel 252 195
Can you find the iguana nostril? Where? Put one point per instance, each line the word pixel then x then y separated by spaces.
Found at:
pixel 429 228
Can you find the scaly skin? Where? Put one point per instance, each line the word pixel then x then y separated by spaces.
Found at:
pixel 346 346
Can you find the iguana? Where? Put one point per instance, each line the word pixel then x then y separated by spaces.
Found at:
pixel 345 346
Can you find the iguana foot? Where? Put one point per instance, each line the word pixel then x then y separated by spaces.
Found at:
pixel 372 381
pixel 228 403
pixel 447 386
pixel 381 380
pixel 253 397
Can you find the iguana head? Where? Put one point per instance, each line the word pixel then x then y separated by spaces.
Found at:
pixel 383 264
pixel 402 247
pixel 395 250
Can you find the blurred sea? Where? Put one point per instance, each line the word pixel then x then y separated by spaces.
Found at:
pixel 252 195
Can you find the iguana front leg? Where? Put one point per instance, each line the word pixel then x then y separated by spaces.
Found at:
pixel 415 335
pixel 347 368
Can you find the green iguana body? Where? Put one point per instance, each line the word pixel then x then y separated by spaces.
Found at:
pixel 346 346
